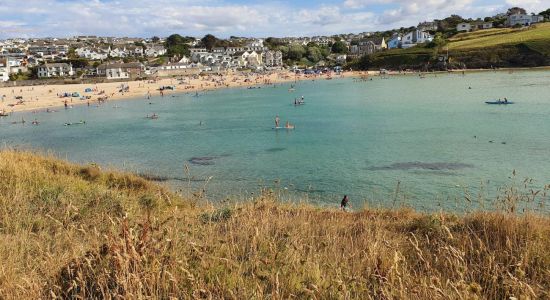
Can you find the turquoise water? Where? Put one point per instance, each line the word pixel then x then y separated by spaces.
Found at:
pixel 431 135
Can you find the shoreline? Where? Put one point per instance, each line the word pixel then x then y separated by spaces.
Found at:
pixel 44 97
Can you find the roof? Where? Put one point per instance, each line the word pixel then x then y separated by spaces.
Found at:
pixel 121 66
pixel 56 65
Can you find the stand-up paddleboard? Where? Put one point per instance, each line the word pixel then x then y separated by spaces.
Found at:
pixel 278 128
pixel 499 102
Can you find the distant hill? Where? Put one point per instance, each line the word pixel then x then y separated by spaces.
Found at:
pixel 508 47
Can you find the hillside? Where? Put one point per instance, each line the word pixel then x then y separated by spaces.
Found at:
pixel 69 231
pixel 537 38
pixel 508 47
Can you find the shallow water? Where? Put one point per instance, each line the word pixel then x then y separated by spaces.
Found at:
pixel 434 136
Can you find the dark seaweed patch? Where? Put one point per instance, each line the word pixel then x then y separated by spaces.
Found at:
pixel 275 149
pixel 203 160
pixel 438 166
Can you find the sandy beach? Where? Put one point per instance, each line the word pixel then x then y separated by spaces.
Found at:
pixel 43 97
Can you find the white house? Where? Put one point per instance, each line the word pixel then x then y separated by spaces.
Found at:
pixel 92 54
pixel 463 27
pixel 155 51
pixel 120 71
pixel 55 70
pixel 477 25
pixel 254 59
pixel 4 73
pixel 524 20
pixel 416 37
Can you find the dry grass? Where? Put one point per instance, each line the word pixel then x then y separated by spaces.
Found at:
pixel 77 232
pixel 538 36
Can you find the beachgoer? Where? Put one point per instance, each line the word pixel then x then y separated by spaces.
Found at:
pixel 277 121
pixel 344 203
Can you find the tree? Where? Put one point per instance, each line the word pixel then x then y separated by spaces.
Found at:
pixel 450 22
pixel 545 13
pixel 176 45
pixel 155 39
pixel 296 52
pixel 339 47
pixel 438 41
pixel 72 53
pixel 365 62
pixel 209 41
pixel 516 10
pixel 314 54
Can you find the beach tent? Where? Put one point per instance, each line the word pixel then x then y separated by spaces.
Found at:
pixel 75 94
pixel 88 90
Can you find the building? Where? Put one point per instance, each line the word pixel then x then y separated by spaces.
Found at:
pixel 524 20
pixel 480 25
pixel 92 54
pixel 476 25
pixel 155 51
pixel 463 27
pixel 427 26
pixel 415 37
pixel 395 41
pixel 55 70
pixel 273 59
pixel 121 71
pixel 368 46
pixel 4 72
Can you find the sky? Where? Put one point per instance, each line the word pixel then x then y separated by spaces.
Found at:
pixel 224 18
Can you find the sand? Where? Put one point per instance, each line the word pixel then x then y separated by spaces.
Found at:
pixel 35 98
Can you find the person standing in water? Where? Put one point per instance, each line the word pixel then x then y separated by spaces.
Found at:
pixel 277 121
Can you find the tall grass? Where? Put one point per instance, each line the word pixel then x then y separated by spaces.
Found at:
pixel 69 231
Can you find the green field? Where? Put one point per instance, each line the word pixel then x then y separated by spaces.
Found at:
pixel 536 38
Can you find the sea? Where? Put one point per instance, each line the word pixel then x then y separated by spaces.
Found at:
pixel 428 142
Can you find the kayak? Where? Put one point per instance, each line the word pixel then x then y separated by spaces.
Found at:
pixel 499 102
pixel 78 123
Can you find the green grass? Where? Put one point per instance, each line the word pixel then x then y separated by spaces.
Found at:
pixel 536 37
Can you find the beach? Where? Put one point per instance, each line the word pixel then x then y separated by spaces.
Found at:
pixel 42 97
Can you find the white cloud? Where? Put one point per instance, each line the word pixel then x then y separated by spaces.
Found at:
pixel 223 18
pixel 535 6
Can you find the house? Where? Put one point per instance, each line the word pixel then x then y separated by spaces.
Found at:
pixel 233 50
pixel 4 72
pixel 92 54
pixel 155 51
pixel 198 50
pixel 476 25
pixel 395 41
pixel 415 37
pixel 427 26
pixel 121 71
pixel 273 59
pixel 480 25
pixel 463 27
pixel 55 70
pixel 254 59
pixel 524 20
pixel 369 46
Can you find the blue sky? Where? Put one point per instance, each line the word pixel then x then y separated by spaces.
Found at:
pixel 145 18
